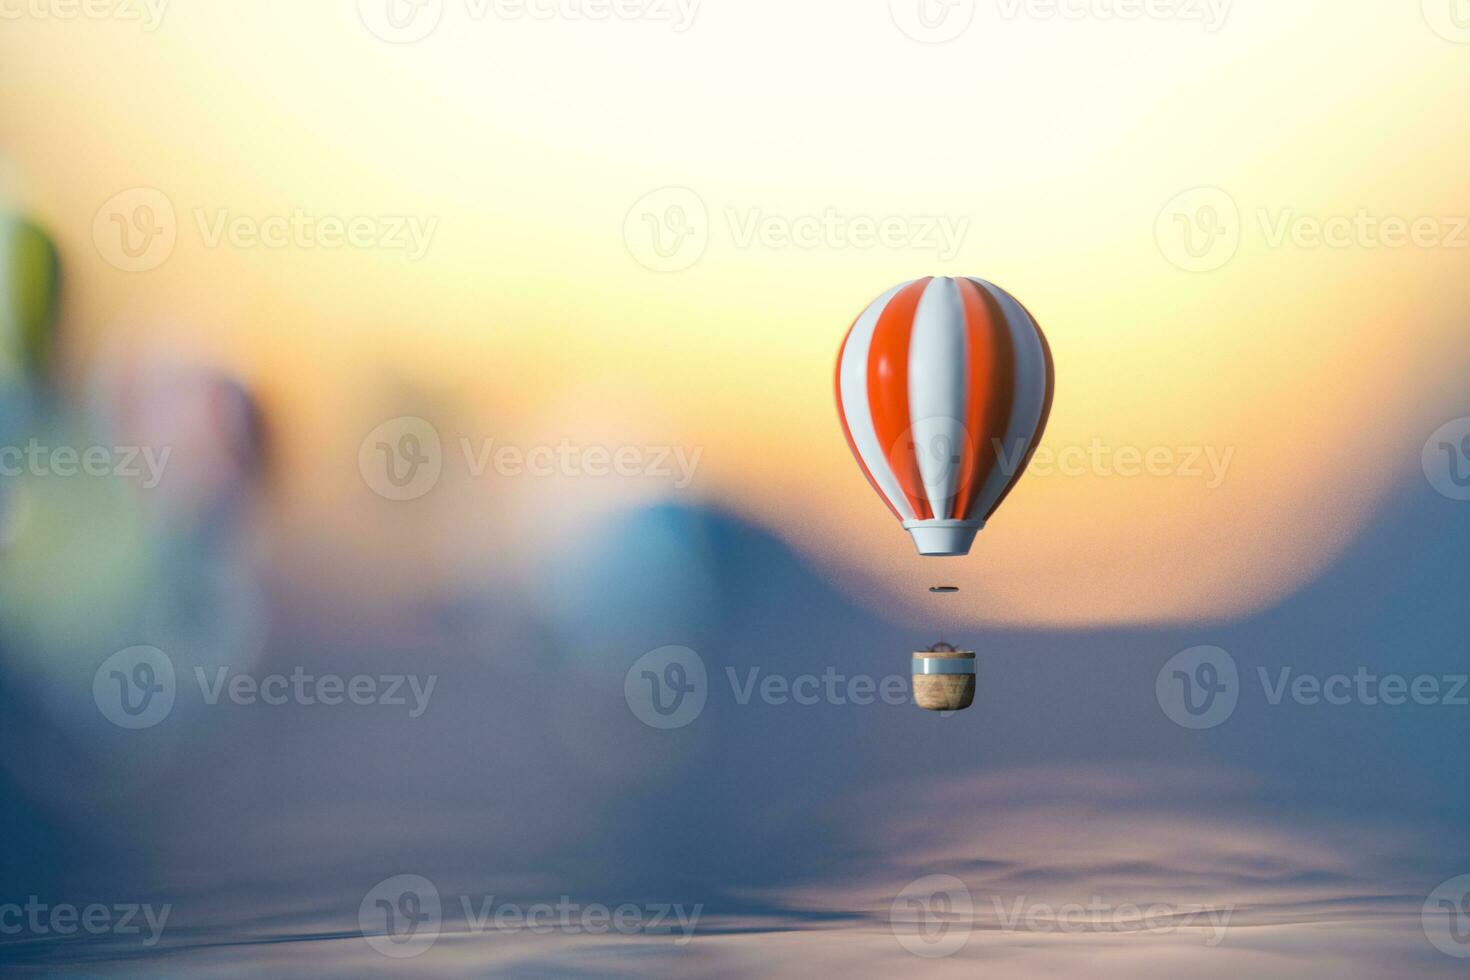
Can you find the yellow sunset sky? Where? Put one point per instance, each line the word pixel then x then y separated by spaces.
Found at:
pixel 1310 374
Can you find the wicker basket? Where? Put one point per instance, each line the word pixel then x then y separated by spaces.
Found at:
pixel 944 678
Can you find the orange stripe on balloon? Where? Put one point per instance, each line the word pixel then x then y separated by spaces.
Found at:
pixel 847 432
pixel 990 392
pixel 1041 421
pixel 888 392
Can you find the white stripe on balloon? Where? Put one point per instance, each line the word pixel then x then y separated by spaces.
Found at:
pixel 939 360
pixel 854 385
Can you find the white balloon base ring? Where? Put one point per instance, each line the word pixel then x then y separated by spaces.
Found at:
pixel 941 538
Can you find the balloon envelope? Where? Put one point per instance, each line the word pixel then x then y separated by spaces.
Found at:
pixel 943 388
pixel 30 275
pixel 200 431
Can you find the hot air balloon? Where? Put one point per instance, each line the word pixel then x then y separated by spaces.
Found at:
pixel 29 279
pixel 202 464
pixel 29 284
pixel 943 388
pixel 209 422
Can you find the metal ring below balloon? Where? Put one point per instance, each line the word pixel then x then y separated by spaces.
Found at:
pixel 944 665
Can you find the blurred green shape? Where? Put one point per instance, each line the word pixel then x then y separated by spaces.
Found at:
pixel 30 278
